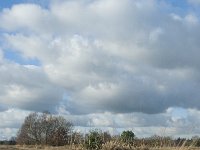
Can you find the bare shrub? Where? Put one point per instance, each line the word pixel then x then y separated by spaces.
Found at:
pixel 44 129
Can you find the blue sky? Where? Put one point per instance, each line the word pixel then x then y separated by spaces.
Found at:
pixel 183 4
pixel 10 3
pixel 6 3
pixel 179 3
pixel 102 63
pixel 18 58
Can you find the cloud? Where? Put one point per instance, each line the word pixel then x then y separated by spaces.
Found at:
pixel 18 17
pixel 134 61
pixel 12 118
pixel 122 60
pixel 174 122
pixel 27 87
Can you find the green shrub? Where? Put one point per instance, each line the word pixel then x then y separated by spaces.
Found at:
pixel 127 137
pixel 94 140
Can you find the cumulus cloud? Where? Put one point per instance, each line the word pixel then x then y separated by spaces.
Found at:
pixel 18 17
pixel 100 58
pixel 121 60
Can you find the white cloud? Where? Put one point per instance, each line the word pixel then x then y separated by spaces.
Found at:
pixel 18 18
pixel 192 19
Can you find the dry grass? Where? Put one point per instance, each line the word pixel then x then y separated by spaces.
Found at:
pixel 112 145
pixel 108 146
pixel 37 147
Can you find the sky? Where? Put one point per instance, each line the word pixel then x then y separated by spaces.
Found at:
pixel 114 65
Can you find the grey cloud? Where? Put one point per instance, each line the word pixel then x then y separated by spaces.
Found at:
pixel 176 46
pixel 148 93
pixel 27 87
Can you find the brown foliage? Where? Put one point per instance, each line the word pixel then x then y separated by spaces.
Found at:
pixel 44 129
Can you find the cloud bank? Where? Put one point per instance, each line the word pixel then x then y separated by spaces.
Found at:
pixel 131 57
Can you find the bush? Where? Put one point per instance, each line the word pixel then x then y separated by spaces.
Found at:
pixel 106 137
pixel 94 140
pixel 127 137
